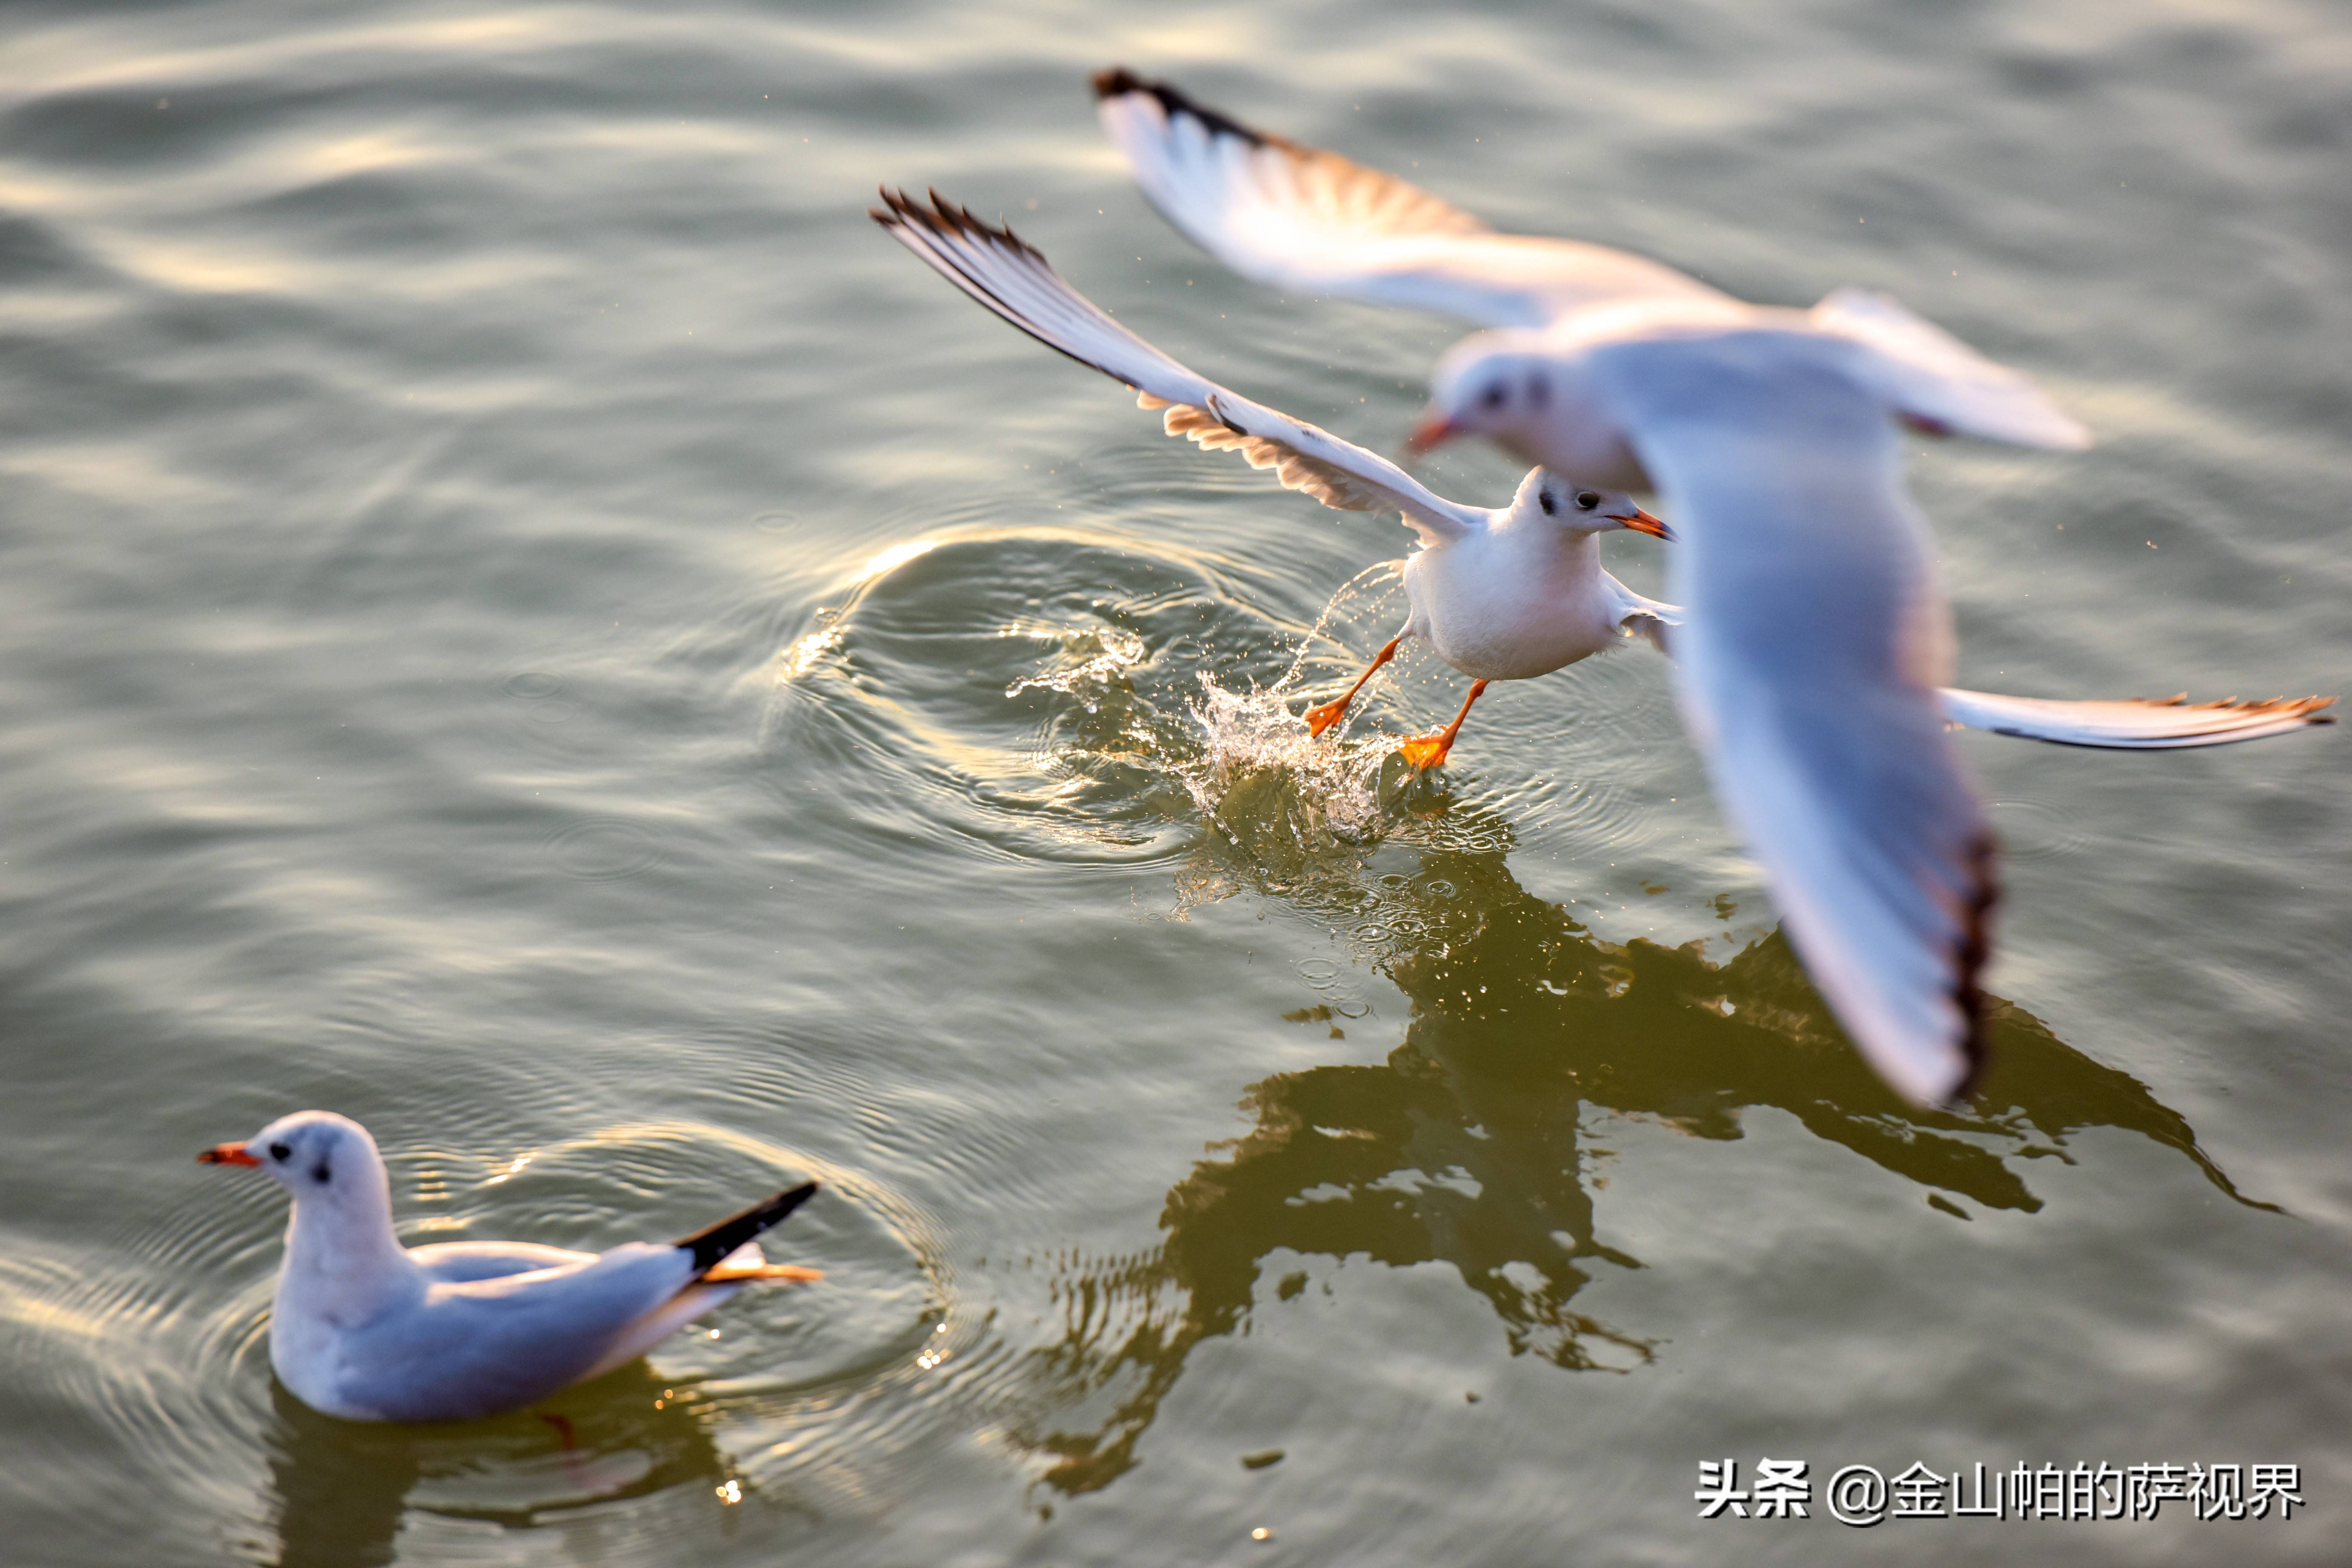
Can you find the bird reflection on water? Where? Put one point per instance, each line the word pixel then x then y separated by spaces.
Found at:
pixel 1469 1144
pixel 344 1489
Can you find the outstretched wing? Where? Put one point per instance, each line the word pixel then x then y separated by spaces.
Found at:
pixel 1311 222
pixel 996 268
pixel 1941 385
pixel 2134 724
pixel 2124 724
pixel 1806 670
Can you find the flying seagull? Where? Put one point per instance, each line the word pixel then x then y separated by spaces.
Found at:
pixel 1311 222
pixel 1810 665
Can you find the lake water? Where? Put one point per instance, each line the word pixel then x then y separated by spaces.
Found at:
pixel 526 620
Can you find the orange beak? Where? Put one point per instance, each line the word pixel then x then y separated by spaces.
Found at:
pixel 226 1154
pixel 1642 523
pixel 1433 430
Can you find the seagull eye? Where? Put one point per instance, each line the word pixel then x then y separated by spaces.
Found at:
pixel 278 1150
pixel 1494 397
pixel 1550 506
pixel 1587 500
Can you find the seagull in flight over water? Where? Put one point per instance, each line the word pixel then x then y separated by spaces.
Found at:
pixel 1810 668
pixel 368 1330
pixel 1313 223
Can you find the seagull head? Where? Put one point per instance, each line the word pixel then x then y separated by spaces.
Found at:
pixel 316 1155
pixel 1494 384
pixel 1579 509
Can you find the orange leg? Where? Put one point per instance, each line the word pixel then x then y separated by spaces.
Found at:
pixel 1429 751
pixel 1321 719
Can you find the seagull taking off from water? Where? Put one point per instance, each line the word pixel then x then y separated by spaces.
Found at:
pixel 1809 665
pixel 1312 223
pixel 369 1330
pixel 1501 594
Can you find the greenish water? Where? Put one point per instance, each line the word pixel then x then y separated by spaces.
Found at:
pixel 525 620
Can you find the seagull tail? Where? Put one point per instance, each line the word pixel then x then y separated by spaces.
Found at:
pixel 709 1247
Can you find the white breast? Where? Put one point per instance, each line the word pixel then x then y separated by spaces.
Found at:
pixel 1511 603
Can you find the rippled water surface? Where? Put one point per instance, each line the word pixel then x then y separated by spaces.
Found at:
pixel 524 619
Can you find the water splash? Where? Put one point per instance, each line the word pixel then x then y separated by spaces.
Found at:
pixel 1259 774
pixel 1105 654
pixel 1259 770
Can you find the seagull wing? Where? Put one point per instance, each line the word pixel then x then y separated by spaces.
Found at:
pixel 1311 222
pixel 1009 277
pixel 460 1260
pixel 477 1343
pixel 1807 668
pixel 1939 384
pixel 2124 723
pixel 2134 724
pixel 474 1346
pixel 1638 617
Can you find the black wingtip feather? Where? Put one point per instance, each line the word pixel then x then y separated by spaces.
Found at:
pixel 1975 949
pixel 712 1245
pixel 944 218
pixel 1118 81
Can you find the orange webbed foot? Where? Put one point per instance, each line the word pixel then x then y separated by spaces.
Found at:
pixel 1426 752
pixel 1321 718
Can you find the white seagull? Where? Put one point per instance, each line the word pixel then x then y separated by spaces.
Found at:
pixel 369 1330
pixel 1500 594
pixel 1811 664
pixel 1313 223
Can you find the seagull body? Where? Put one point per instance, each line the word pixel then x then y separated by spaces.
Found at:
pixel 367 1330
pixel 1810 665
pixel 1311 222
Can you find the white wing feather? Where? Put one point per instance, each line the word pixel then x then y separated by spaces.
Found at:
pixel 1311 222
pixel 2125 723
pixel 1804 570
pixel 2134 724
pixel 1639 616
pixel 1016 282
pixel 1942 385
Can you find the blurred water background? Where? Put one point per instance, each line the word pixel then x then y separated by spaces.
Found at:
pixel 524 619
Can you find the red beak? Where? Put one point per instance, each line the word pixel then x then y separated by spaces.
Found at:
pixel 1432 430
pixel 1642 523
pixel 226 1154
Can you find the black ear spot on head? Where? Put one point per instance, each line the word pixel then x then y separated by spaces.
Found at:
pixel 1551 507
pixel 278 1150
pixel 321 1171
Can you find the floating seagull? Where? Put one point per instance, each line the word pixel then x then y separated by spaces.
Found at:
pixel 1809 665
pixel 1311 222
pixel 369 1330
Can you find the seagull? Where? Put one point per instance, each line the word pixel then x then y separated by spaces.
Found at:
pixel 1810 668
pixel 1501 594
pixel 1311 222
pixel 367 1330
